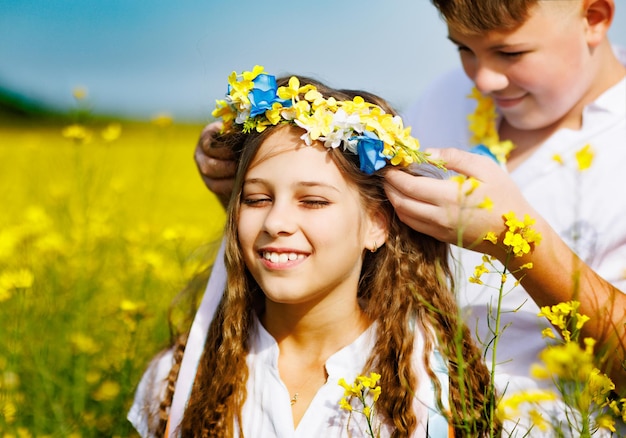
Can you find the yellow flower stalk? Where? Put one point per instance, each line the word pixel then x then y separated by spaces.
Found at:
pixel 606 422
pixel 367 391
pixel 79 92
pixel 486 204
pixel 345 404
pixel 548 333
pixel 483 126
pixel 162 120
pixel 584 157
pixel 509 407
pixel 77 132
pixel 538 420
pixel 586 392
pixel 520 236
pixel 558 158
pixel 107 391
pixel 21 278
pixel 14 280
pixel 491 237
pixel 84 344
pixel 561 314
pixel 111 132
pixel 8 411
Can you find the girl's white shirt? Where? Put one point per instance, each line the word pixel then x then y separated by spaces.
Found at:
pixel 267 410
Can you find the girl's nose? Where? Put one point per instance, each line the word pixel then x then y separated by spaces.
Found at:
pixel 280 219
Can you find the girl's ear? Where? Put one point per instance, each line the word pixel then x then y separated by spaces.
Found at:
pixel 599 15
pixel 377 231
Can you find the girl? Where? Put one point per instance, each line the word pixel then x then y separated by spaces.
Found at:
pixel 324 284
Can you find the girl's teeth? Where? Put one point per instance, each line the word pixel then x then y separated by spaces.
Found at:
pixel 284 257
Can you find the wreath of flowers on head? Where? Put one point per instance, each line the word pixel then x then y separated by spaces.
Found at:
pixel 254 102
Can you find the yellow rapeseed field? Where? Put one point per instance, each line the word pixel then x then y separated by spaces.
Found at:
pixel 101 226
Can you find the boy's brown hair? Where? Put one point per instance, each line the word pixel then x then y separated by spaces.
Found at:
pixel 478 16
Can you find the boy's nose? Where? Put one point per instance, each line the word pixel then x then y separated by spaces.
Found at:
pixel 488 79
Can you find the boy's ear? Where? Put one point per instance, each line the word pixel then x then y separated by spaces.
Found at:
pixel 378 231
pixel 599 15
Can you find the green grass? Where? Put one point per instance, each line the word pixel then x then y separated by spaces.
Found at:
pixel 96 238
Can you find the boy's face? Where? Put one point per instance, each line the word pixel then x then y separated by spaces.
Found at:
pixel 538 73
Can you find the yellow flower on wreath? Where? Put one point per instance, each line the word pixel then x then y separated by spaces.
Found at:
pixel 254 101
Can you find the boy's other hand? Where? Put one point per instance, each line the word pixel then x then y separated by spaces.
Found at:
pixel 216 164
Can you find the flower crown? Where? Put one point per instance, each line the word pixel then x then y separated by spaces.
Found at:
pixel 255 102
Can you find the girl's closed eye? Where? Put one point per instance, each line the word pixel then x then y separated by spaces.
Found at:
pixel 315 202
pixel 256 201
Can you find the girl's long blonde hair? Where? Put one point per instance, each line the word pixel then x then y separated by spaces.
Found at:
pixel 404 286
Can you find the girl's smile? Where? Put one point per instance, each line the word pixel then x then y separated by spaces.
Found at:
pixel 281 258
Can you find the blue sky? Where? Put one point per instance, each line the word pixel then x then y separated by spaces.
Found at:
pixel 142 57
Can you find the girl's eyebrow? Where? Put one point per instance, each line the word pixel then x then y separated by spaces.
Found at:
pixel 300 183
pixel 318 184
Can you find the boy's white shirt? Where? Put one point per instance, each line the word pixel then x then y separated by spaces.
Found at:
pixel 561 194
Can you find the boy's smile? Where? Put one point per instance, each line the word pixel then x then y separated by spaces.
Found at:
pixel 542 74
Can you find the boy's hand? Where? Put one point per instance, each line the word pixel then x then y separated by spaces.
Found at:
pixel 447 211
pixel 216 165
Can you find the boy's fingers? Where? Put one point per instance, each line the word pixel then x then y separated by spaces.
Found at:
pixel 466 163
pixel 208 146
pixel 212 167
pixel 419 188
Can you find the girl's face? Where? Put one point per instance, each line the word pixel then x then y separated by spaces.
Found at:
pixel 539 73
pixel 302 227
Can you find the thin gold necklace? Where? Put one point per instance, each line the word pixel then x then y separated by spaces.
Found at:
pixel 294 398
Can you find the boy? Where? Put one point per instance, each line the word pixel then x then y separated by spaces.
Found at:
pixel 558 86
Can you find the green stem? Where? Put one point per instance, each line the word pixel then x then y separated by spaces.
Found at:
pixel 494 350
